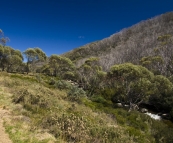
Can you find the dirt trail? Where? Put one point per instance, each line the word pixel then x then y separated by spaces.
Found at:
pixel 4 138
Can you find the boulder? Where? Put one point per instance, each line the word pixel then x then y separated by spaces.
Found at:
pixel 144 110
pixel 118 105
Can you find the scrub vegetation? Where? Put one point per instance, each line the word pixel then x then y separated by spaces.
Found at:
pixel 93 93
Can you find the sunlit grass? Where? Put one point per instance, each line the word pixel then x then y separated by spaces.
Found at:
pixel 38 111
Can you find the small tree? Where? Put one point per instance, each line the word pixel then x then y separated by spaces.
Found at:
pixel 163 93
pixel 91 75
pixel 33 56
pixel 132 83
pixel 153 63
pixel 60 65
pixel 10 58
pixel 14 60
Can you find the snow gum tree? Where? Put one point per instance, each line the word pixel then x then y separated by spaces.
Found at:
pixel 132 83
pixel 34 55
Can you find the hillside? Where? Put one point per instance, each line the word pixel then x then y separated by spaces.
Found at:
pixel 128 45
pixel 40 113
pixel 98 93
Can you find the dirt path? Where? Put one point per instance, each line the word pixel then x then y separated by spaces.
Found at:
pixel 4 138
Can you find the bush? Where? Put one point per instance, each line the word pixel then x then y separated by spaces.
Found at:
pixel 100 99
pixel 75 94
pixel 52 81
pixel 70 126
pixel 38 78
pixel 136 134
pixel 30 101
pixel 161 132
pixel 62 84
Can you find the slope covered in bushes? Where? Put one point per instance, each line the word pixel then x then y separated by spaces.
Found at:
pixel 76 97
pixel 52 109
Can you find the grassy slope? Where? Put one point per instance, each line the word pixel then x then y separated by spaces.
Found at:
pixel 44 114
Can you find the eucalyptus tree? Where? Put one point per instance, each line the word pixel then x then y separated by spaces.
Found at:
pixel 10 58
pixel 14 60
pixel 163 97
pixel 132 83
pixel 90 75
pixel 22 68
pixel 33 56
pixel 153 63
pixel 60 66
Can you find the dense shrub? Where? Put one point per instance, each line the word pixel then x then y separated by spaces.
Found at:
pixel 75 93
pixel 62 84
pixel 98 99
pixel 161 132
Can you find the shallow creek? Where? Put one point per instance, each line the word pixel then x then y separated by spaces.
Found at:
pixel 154 116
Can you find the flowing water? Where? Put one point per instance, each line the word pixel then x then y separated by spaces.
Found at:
pixel 154 116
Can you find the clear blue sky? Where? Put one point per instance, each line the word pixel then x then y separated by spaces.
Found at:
pixel 57 26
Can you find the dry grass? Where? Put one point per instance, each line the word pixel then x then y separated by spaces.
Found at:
pixel 42 114
pixel 17 125
pixel 75 121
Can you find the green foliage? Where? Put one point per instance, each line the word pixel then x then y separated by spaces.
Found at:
pixel 91 76
pixel 69 75
pixel 10 59
pixel 152 63
pixel 130 71
pixel 92 61
pixel 126 82
pixel 75 94
pixel 34 55
pixel 98 99
pixel 71 127
pixel 38 78
pixel 31 101
pixel 161 132
pixel 163 90
pixel 108 92
pixel 77 54
pixel 62 84
pixel 132 83
pixel 46 69
pixel 73 122
pixel 17 135
pixel 22 68
pixel 28 78
pixel 164 37
pixel 52 81
pixel 60 65
pixel 136 125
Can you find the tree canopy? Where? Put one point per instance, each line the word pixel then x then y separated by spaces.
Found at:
pixel 60 65
pixel 132 83
pixel 33 56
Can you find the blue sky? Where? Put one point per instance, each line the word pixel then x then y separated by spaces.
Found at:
pixel 57 26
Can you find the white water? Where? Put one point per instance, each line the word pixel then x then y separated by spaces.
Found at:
pixel 154 116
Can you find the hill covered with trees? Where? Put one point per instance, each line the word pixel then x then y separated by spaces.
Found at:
pixel 94 93
pixel 130 44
